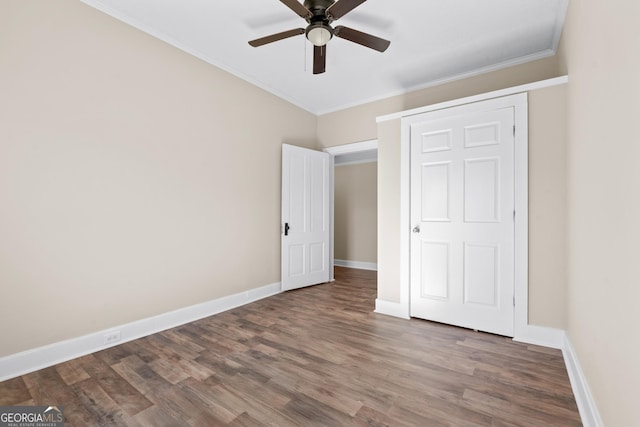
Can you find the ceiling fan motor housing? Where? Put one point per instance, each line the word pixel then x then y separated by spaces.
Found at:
pixel 318 8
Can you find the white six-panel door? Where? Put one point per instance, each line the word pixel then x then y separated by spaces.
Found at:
pixel 462 215
pixel 305 217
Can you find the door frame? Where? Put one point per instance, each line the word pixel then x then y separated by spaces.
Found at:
pixel 519 102
pixel 356 147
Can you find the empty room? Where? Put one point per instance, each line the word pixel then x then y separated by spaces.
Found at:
pixel 319 213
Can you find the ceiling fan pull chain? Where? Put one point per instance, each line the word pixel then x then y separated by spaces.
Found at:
pixel 304 41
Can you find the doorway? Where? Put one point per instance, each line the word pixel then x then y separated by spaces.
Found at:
pixel 353 198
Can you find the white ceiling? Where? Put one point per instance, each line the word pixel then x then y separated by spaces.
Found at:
pixel 432 41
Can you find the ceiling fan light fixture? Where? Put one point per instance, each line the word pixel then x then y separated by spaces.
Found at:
pixel 319 34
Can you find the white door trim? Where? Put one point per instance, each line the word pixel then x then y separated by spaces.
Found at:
pixel 521 292
pixel 337 150
pixel 355 147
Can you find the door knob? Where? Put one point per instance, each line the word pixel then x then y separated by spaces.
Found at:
pixel 416 229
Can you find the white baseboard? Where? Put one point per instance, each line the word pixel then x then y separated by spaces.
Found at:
pixel 586 405
pixel 356 264
pixel 540 335
pixel 390 308
pixel 42 357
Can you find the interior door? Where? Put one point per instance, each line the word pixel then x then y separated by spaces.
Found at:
pixel 462 214
pixel 305 217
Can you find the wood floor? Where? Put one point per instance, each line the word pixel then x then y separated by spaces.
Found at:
pixel 315 356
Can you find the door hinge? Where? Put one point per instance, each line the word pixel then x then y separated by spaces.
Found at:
pixel 514 130
pixel 514 300
pixel 514 214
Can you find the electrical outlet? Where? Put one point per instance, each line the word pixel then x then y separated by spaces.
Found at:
pixel 111 337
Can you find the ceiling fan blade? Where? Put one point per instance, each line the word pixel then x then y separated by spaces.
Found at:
pixel 364 39
pixel 275 37
pixel 342 7
pixel 319 59
pixel 298 8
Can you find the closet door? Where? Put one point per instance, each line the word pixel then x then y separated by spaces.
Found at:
pixel 462 218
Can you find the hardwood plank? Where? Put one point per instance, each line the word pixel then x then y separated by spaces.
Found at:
pixel 47 388
pixel 155 416
pixel 182 406
pixel 306 411
pixel 14 391
pixel 556 401
pixel 511 412
pixel 367 416
pixel 113 355
pixel 120 390
pixel 407 416
pixel 140 376
pixel 72 371
pixel 245 420
pixel 169 370
pixel 176 338
pixel 238 403
pixel 264 393
pixel 209 397
pixel 103 409
pixel 443 410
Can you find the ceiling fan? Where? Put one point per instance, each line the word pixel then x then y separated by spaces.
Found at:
pixel 319 15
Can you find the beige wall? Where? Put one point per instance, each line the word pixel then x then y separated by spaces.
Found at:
pixel 389 211
pixel 355 211
pixel 134 179
pixel 547 207
pixel 359 123
pixel 547 280
pixel 599 49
